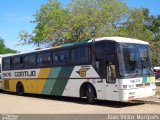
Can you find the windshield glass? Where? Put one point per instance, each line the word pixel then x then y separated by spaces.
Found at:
pixel 134 60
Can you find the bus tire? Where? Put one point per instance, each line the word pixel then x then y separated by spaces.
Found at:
pixel 20 89
pixel 90 94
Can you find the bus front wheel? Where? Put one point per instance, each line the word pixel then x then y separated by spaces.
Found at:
pixel 20 89
pixel 90 94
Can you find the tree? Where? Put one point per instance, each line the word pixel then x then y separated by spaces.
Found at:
pixel 4 49
pixel 80 20
pixel 134 27
pixel 152 24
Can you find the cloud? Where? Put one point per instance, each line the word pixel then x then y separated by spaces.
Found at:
pixel 18 18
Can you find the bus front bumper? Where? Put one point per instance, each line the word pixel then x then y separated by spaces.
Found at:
pixel 136 93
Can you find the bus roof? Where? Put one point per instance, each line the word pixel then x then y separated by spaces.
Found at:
pixel 116 39
pixel 122 40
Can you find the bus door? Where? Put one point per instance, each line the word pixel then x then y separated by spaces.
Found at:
pixel 112 91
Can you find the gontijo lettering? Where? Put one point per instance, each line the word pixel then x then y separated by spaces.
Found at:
pixel 18 74
pixel 25 74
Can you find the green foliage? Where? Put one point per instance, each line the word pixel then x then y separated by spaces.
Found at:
pixel 81 19
pixel 4 49
pixel 152 24
pixel 135 27
pixel 96 18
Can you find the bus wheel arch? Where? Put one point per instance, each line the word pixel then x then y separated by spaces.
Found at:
pixel 88 90
pixel 20 88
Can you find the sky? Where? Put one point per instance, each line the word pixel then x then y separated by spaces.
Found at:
pixel 15 16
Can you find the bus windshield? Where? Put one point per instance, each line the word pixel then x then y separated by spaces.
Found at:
pixel 134 60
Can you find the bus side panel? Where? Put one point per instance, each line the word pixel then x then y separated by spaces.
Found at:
pixel 57 80
pixel 73 87
pixel 61 81
pixel 53 74
pixel 83 74
pixel 10 84
pixel 36 86
pixel 31 85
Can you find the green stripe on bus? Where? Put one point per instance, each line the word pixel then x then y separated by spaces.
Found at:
pixel 146 79
pixel 50 82
pixel 67 45
pixel 60 84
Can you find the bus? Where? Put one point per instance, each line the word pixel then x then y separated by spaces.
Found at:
pixel 0 72
pixel 107 68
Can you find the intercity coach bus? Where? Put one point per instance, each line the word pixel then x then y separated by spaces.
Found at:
pixel 0 72
pixel 108 68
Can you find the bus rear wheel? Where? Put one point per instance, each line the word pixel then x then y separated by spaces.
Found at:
pixel 20 89
pixel 90 94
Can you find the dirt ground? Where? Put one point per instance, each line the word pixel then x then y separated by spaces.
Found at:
pixel 38 104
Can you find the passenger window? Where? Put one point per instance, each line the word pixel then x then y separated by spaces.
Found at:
pixel 16 62
pixel 61 57
pixel 29 61
pixel 44 60
pixel 80 55
pixel 6 64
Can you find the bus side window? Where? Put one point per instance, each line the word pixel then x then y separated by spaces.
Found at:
pixel 17 62
pixel 61 57
pixel 6 64
pixel 44 59
pixel 80 55
pixel 29 61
